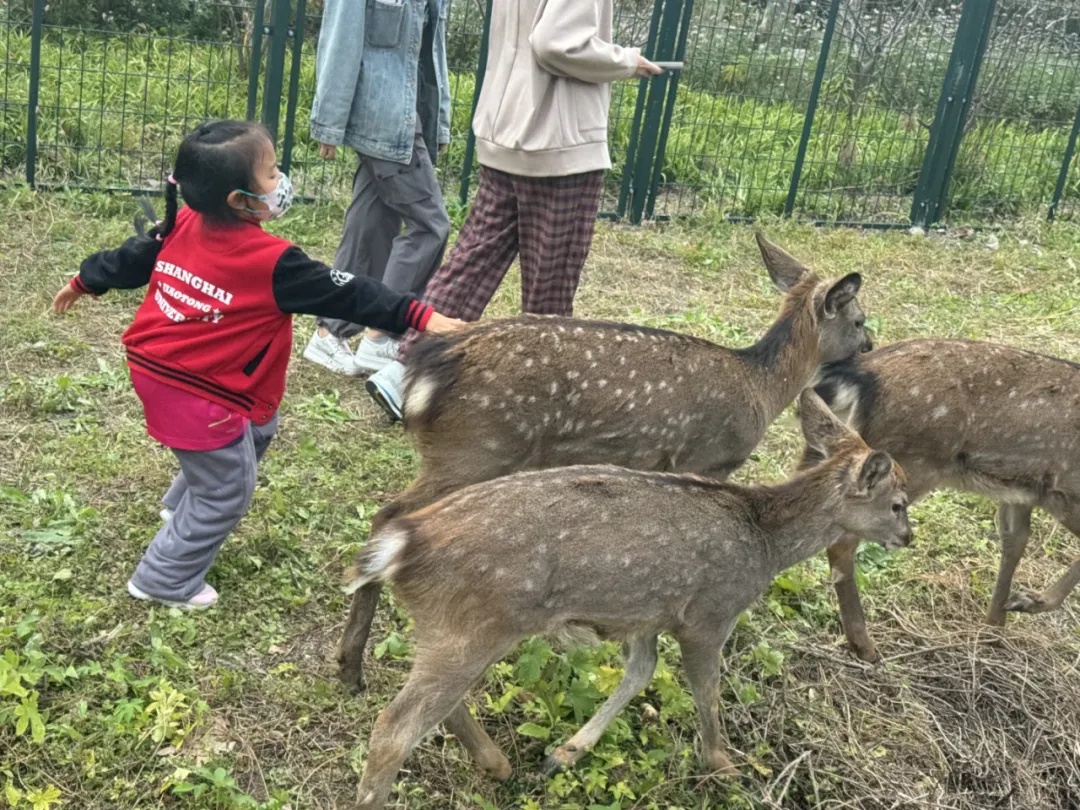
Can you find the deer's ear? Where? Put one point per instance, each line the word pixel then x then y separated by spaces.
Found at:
pixel 784 269
pixel 842 293
pixel 876 468
pixel 820 427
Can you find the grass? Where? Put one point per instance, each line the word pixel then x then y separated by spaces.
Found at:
pixel 112 109
pixel 108 703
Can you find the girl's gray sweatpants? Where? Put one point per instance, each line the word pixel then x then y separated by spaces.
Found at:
pixel 208 498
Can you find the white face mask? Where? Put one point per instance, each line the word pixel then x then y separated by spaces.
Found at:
pixel 277 201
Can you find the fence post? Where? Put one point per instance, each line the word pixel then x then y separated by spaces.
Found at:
pixel 296 33
pixel 811 106
pixel 470 139
pixel 257 33
pixel 635 124
pixel 667 41
pixel 669 110
pixel 1063 175
pixel 36 25
pixel 275 64
pixel 947 131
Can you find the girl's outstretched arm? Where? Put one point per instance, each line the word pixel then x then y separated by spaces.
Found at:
pixel 304 286
pixel 125 268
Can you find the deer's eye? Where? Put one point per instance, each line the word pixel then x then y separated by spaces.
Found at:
pixel 898 508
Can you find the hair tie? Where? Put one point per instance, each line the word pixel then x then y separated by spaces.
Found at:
pixel 171 180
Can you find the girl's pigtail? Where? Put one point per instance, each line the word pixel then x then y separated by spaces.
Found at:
pixel 171 206
pixel 142 220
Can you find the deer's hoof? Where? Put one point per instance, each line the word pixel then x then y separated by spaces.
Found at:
pixel 352 678
pixel 869 655
pixel 559 760
pixel 720 765
pixel 499 769
pixel 367 800
pixel 865 651
pixel 859 642
pixel 1028 602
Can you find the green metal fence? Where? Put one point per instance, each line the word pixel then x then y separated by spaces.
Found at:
pixel 879 112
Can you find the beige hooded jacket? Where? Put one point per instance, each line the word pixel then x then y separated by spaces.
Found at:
pixel 543 109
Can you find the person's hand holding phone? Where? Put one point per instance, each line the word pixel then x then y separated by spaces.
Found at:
pixel 646 68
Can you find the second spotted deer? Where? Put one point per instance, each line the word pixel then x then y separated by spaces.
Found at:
pixel 610 552
pixel 973 416
pixel 535 393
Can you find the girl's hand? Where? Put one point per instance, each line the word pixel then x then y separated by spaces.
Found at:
pixel 66 298
pixel 327 151
pixel 440 323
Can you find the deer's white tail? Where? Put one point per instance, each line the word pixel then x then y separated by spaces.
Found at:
pixel 380 559
pixel 434 364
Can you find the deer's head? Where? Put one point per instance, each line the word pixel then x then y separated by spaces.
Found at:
pixel 841 321
pixel 870 497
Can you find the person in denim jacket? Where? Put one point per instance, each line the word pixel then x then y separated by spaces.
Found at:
pixel 383 90
pixel 541 126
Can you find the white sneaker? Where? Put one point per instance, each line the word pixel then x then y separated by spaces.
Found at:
pixel 200 601
pixel 372 356
pixel 332 353
pixel 385 386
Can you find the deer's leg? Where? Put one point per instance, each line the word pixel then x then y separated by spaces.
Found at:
pixel 640 665
pixel 354 639
pixel 852 618
pixel 701 660
pixel 441 676
pixel 1014 528
pixel 1027 601
pixel 480 746
pixel 366 600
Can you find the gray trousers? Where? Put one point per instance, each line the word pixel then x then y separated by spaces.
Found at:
pixel 208 498
pixel 387 195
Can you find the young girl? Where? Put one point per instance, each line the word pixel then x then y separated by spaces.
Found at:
pixel 210 344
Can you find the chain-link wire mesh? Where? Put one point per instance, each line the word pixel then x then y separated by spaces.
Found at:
pixel 1022 112
pixel 883 78
pixel 117 82
pixel 742 99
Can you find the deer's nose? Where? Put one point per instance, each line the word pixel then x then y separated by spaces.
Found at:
pixel 907 537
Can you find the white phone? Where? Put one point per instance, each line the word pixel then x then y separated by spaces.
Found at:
pixel 669 65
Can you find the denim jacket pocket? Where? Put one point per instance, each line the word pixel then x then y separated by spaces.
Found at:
pixel 384 23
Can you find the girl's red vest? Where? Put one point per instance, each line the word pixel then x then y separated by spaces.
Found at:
pixel 209 323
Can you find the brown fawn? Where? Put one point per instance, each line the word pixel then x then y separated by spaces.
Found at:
pixel 533 393
pixel 612 553
pixel 972 416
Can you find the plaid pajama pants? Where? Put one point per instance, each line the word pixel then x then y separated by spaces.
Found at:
pixel 547 221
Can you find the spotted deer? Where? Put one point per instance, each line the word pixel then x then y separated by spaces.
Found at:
pixel 972 416
pixel 605 552
pixel 533 393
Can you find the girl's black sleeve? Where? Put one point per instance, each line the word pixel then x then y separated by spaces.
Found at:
pixel 126 268
pixel 303 286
